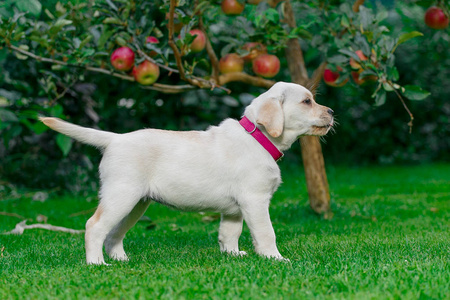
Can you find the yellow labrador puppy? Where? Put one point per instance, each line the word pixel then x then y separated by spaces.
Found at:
pixel 230 168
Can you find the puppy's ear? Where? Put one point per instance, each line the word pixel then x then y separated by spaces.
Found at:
pixel 270 115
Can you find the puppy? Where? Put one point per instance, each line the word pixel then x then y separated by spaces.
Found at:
pixel 230 168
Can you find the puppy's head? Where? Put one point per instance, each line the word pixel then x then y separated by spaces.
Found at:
pixel 289 107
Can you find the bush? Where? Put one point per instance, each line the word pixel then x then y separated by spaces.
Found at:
pixel 369 132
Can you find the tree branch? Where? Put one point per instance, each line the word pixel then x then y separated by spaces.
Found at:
pixel 245 78
pixel 143 54
pixel 196 82
pixel 169 89
pixel 59 62
pixel 357 4
pixel 172 44
pixel 273 3
pixel 293 50
pixel 410 123
pixel 211 54
pixel 316 78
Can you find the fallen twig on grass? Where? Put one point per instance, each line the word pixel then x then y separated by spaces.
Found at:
pixel 20 228
pixel 4 213
pixel 83 212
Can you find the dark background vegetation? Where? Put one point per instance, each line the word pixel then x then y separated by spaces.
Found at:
pixel 366 134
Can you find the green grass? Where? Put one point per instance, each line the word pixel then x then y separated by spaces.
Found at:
pixel 389 238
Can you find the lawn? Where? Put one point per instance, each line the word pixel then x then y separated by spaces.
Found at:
pixel 389 238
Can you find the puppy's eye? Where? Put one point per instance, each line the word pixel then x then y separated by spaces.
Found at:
pixel 307 101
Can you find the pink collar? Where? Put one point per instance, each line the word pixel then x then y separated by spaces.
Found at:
pixel 261 138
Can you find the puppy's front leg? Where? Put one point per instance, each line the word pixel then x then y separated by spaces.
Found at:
pixel 229 232
pixel 256 216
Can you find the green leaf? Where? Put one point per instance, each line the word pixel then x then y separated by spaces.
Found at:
pixel 10 95
pixel 272 15
pixel 338 59
pixel 366 17
pixel 120 41
pixel 88 52
pixel 393 74
pixel 20 55
pixel 62 23
pixel 85 41
pixel 104 38
pixel 42 40
pixel 57 67
pixel 8 116
pixel 38 127
pixel 301 32
pixel 59 25
pixel 406 37
pixel 6 13
pixel 56 111
pixel 382 15
pixel 414 92
pixel 350 53
pixel 64 143
pixel 12 132
pixel 367 72
pixel 34 7
pixel 345 21
pixel 380 98
pixel 112 5
pixel 111 20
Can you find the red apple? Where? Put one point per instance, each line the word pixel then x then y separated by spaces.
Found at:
pixel 435 18
pixel 152 40
pixel 198 44
pixel 232 7
pixel 231 63
pixel 364 80
pixel 356 65
pixel 331 77
pixel 122 59
pixel 255 49
pixel 266 65
pixel 146 73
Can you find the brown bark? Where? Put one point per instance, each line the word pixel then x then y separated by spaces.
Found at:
pixel 357 4
pixel 316 177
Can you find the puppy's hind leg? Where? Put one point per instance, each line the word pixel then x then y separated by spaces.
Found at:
pixel 229 232
pixel 115 205
pixel 114 240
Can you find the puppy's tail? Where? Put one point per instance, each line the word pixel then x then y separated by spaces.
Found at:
pixel 97 138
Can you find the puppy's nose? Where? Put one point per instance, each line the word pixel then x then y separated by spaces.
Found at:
pixel 330 111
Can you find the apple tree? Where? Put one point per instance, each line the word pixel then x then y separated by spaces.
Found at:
pixel 175 46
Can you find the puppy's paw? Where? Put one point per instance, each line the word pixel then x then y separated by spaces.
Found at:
pixel 239 253
pixel 236 253
pixel 98 263
pixel 286 260
pixel 278 257
pixel 119 257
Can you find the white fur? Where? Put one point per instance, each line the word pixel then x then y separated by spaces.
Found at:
pixel 222 169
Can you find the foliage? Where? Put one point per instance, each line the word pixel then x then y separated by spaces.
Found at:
pixel 388 239
pixel 55 61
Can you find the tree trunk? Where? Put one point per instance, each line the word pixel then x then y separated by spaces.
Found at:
pixel 316 177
